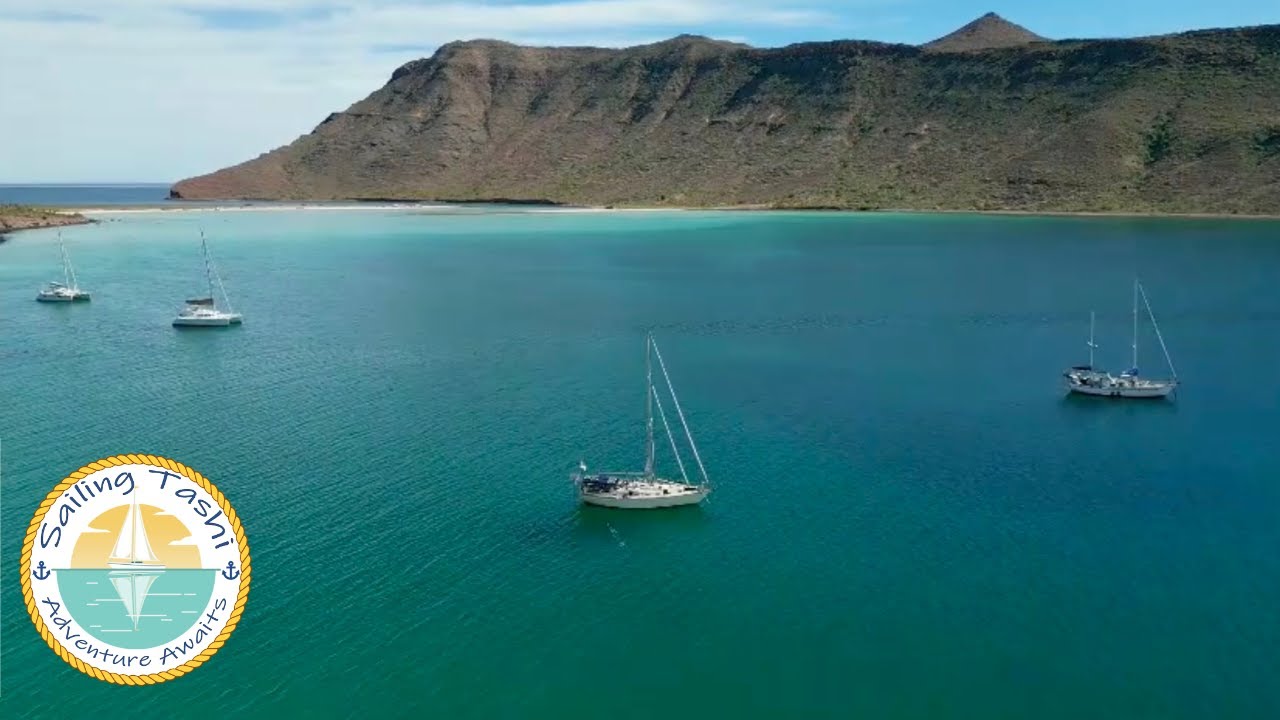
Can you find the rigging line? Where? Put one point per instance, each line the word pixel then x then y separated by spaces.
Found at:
pixel 648 408
pixel 213 270
pixel 680 413
pixel 1135 324
pixel 1156 327
pixel 68 272
pixel 674 451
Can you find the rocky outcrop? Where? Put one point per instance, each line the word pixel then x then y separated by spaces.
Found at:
pixel 21 217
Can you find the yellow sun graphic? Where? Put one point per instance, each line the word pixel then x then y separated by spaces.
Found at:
pixel 168 536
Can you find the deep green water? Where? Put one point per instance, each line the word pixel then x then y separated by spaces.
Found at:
pixel 910 519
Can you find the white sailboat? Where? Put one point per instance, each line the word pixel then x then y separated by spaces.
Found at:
pixel 69 289
pixel 204 311
pixel 132 550
pixel 132 588
pixel 646 490
pixel 1091 380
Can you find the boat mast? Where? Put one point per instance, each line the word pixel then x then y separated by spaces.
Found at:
pixel 136 519
pixel 648 406
pixel 208 271
pixel 1092 346
pixel 1159 336
pixel 675 400
pixel 66 263
pixel 211 274
pixel 1135 325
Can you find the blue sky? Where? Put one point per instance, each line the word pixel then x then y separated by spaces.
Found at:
pixel 157 90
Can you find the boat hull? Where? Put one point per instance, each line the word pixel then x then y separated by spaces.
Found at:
pixel 643 503
pixel 135 567
pixel 639 494
pixel 1153 391
pixel 78 297
pixel 206 321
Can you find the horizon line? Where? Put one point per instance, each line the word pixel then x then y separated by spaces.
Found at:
pixel 106 183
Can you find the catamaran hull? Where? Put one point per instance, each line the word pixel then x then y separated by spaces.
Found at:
pixel 1156 391
pixel 205 322
pixel 81 297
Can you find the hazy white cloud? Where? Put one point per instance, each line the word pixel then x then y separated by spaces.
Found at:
pixel 188 540
pixel 142 90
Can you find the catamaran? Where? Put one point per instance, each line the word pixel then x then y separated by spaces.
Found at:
pixel 132 550
pixel 1091 380
pixel 69 289
pixel 645 490
pixel 204 311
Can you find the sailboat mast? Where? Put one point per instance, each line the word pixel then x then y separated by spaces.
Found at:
pixel 648 406
pixel 1091 343
pixel 137 519
pixel 66 263
pixel 213 272
pixel 208 271
pixel 1135 324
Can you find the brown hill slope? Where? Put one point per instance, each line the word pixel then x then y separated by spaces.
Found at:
pixel 987 32
pixel 1187 123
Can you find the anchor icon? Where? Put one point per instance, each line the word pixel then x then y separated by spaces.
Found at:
pixel 40 572
pixel 231 573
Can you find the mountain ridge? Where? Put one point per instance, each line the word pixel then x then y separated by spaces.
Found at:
pixel 1176 123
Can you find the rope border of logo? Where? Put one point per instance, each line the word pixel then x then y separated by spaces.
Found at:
pixel 29 543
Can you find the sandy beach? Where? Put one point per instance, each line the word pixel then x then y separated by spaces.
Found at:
pixel 100 211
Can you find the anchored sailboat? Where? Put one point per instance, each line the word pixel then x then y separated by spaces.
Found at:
pixel 204 311
pixel 132 550
pixel 644 490
pixel 69 289
pixel 1091 380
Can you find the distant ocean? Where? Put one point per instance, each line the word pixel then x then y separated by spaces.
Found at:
pixel 59 195
pixel 910 519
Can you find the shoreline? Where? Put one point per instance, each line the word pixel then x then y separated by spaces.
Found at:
pixel 552 208
pixel 16 218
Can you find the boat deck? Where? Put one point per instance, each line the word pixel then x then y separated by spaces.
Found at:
pixel 621 486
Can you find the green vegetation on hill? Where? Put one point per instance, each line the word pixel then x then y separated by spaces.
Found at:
pixel 24 217
pixel 1006 121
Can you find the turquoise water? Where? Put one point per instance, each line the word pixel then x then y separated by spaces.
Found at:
pixel 103 603
pixel 910 519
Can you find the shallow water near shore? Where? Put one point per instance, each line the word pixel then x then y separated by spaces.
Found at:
pixel 910 519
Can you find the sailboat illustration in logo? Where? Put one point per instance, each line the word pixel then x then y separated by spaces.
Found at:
pixel 129 531
pixel 134 565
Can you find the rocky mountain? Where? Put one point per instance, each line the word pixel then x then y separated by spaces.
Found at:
pixel 991 117
pixel 987 32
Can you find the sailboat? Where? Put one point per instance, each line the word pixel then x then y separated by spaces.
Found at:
pixel 132 588
pixel 1091 380
pixel 204 311
pixel 645 490
pixel 69 289
pixel 132 550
